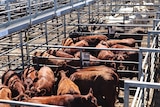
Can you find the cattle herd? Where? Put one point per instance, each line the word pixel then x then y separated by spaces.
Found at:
pixel 69 84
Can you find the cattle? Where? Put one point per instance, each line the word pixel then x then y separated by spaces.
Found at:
pixel 123 55
pixel 59 53
pixel 29 77
pixel 137 30
pixel 66 86
pixel 5 94
pixel 29 72
pixel 45 82
pixel 81 43
pixel 67 42
pixel 105 54
pixel 11 79
pixel 91 57
pixel 67 100
pixel 81 31
pixel 128 42
pixel 92 40
pixel 113 31
pixel 103 80
pixel 45 58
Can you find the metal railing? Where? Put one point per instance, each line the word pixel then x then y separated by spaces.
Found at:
pixel 145 86
pixel 27 13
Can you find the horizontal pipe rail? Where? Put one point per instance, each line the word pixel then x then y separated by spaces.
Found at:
pixel 27 103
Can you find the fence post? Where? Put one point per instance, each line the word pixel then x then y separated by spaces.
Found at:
pixel 126 95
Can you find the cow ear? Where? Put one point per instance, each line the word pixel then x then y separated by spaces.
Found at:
pixel 36 73
pixel 35 80
pixel 91 90
pixel 43 92
pixel 84 99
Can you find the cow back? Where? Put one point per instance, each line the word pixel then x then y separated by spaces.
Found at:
pixel 46 81
pixel 103 82
pixel 66 86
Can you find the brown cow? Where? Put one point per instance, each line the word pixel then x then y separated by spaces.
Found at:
pixel 12 80
pixel 29 77
pixel 92 40
pixel 106 54
pixel 45 82
pixel 67 42
pixel 137 30
pixel 67 100
pixel 45 58
pixel 81 43
pixel 5 94
pixel 122 55
pixel 128 41
pixel 91 57
pixel 66 86
pixel 103 80
pixel 59 53
pixel 29 72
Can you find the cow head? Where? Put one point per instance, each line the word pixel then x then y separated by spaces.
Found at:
pixel 89 100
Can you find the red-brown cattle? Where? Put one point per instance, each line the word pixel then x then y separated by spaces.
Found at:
pixel 106 54
pixel 67 42
pixel 45 82
pixel 67 100
pixel 128 41
pixel 123 55
pixel 12 80
pixel 5 94
pixel 92 40
pixel 103 80
pixel 29 77
pixel 29 72
pixel 81 43
pixel 91 57
pixel 137 30
pixel 59 53
pixel 66 86
pixel 45 58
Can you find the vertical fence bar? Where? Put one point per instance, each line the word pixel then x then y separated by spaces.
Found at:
pixel 57 29
pixel 126 95
pixel 78 17
pixel 142 98
pixel 55 6
pixel 27 49
pixel 36 8
pixel 46 34
pixel 98 9
pixel 71 1
pixel 8 12
pixel 29 9
pixel 21 46
pixel 89 13
pixel 148 39
pixel 140 64
pixel 64 22
pixel 81 60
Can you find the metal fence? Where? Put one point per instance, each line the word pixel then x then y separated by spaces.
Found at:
pixel 47 25
pixel 148 68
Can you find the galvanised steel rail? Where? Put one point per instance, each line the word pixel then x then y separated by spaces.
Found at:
pixel 141 84
pixel 146 72
pixel 26 103
pixel 25 22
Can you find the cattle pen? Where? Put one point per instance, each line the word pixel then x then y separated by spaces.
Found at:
pixel 30 26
